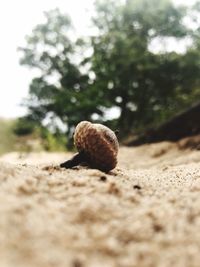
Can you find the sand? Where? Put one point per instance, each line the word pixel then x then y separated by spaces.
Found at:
pixel 146 212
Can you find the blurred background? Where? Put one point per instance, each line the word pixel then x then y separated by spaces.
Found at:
pixel 133 65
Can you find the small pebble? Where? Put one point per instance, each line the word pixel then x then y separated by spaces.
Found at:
pixel 138 187
pixel 103 178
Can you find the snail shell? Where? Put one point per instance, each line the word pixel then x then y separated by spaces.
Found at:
pixel 98 143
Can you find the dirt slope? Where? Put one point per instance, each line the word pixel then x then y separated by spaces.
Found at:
pixel 146 212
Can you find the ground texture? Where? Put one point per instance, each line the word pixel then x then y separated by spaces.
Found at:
pixel 146 212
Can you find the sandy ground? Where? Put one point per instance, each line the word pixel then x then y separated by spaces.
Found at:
pixel 146 212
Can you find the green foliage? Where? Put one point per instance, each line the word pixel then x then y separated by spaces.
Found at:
pixel 71 97
pixel 122 72
pixel 33 136
pixel 23 126
pixel 7 137
pixel 146 86
pixel 52 142
pixel 24 135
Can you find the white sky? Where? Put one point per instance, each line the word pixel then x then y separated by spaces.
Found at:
pixel 17 19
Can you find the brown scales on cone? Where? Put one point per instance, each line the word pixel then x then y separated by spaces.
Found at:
pixel 97 145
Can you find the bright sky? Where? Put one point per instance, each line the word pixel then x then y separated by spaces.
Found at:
pixel 17 19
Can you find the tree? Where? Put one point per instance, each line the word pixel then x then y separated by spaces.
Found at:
pixel 123 71
pixel 146 86
pixel 70 96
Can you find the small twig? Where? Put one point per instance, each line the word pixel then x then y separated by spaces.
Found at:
pixel 77 159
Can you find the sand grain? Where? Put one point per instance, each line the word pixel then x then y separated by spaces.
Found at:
pixel 146 212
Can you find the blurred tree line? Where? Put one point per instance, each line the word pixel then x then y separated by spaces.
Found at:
pixel 118 68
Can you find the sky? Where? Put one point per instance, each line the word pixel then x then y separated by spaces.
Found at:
pixel 17 19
